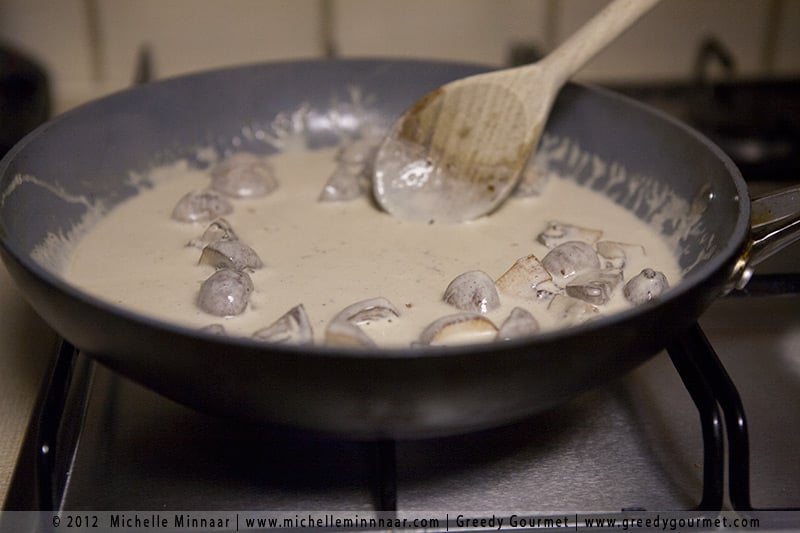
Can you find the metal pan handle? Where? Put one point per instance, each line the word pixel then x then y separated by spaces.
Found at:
pixel 775 224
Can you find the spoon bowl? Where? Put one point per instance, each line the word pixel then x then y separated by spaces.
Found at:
pixel 458 152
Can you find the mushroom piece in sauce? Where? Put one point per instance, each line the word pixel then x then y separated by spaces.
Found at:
pixel 342 186
pixel 645 286
pixel 570 311
pixel 200 206
pixel 351 179
pixel 523 278
pixel 291 328
pixel 358 154
pixel 615 255
pixel 594 287
pixel 569 259
pixel 458 328
pixel 225 293
pixel 546 291
pixel 343 328
pixel 558 233
pixel 366 310
pixel 216 329
pixel 243 175
pixel 520 323
pixel 344 333
pixel 472 291
pixel 219 230
pixel 230 254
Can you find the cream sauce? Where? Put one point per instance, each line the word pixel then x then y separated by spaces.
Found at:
pixel 328 255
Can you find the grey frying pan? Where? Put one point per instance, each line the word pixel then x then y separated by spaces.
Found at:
pixel 88 153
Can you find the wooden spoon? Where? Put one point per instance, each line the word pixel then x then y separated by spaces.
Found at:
pixel 458 152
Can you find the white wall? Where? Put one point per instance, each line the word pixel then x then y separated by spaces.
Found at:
pixel 90 46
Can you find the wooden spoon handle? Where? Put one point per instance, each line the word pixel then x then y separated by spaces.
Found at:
pixel 593 36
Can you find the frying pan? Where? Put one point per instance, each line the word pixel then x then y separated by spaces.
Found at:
pixel 664 172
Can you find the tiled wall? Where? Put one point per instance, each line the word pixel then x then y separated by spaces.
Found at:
pixel 90 46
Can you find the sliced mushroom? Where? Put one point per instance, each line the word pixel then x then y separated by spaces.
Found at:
pixel 594 287
pixel 291 328
pixel 367 310
pixel 216 329
pixel 219 230
pixel 351 179
pixel 569 259
pixel 459 328
pixel 343 330
pixel 570 311
pixel 344 333
pixel 547 290
pixel 472 291
pixel 200 206
pixel 524 276
pixel 243 175
pixel 359 153
pixel 230 254
pixel 645 286
pixel 558 233
pixel 520 323
pixel 343 185
pixel 545 295
pixel 615 255
pixel 225 293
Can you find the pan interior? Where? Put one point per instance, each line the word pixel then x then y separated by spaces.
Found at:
pixel 64 177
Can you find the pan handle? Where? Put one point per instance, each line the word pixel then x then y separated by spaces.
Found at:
pixel 774 225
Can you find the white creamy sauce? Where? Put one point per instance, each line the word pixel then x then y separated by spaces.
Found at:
pixel 328 255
